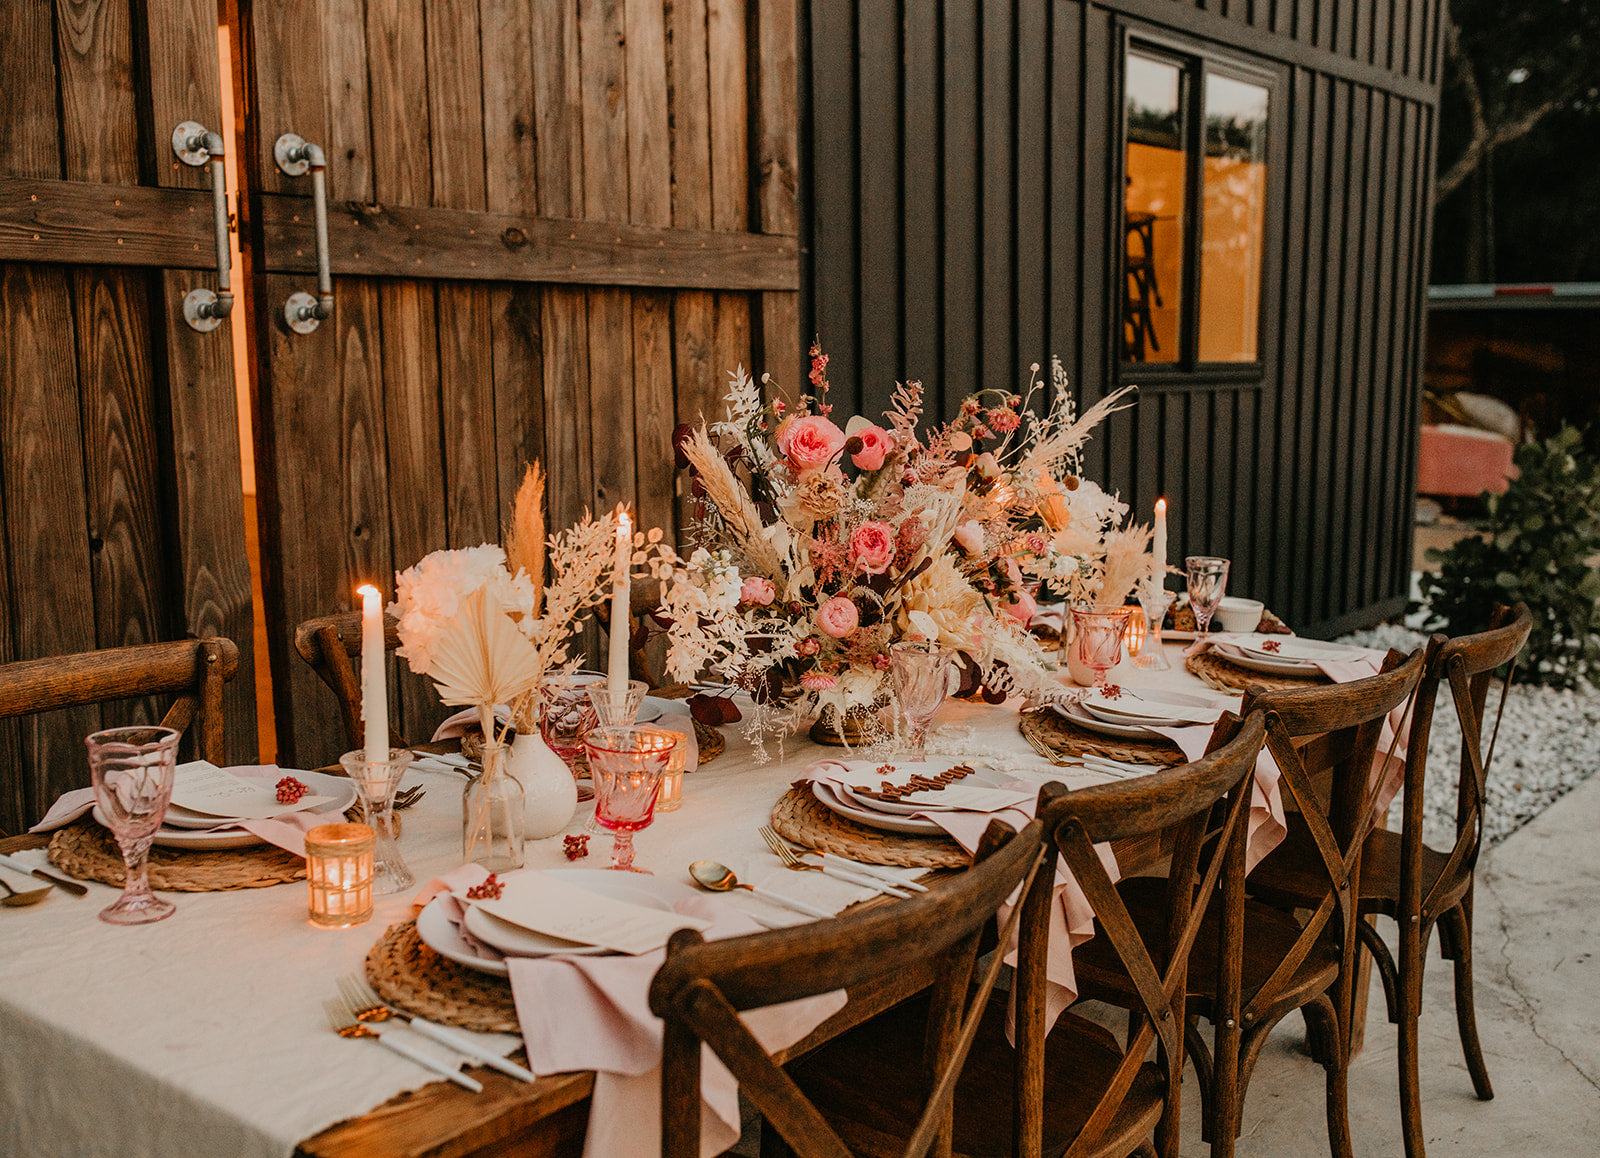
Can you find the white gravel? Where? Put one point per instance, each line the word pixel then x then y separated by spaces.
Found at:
pixel 1549 743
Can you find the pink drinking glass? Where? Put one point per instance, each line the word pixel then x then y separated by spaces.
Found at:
pixel 132 770
pixel 626 766
pixel 567 716
pixel 1100 631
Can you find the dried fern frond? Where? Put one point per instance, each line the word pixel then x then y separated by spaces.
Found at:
pixel 1056 446
pixel 1127 563
pixel 732 501
pixel 525 547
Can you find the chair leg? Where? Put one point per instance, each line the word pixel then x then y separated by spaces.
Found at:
pixel 1337 1068
pixel 1198 1054
pixel 1466 1014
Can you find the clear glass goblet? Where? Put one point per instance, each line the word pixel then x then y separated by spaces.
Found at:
pixel 626 765
pixel 376 781
pixel 922 674
pixel 1208 583
pixel 132 771
pixel 1153 603
pixel 1099 631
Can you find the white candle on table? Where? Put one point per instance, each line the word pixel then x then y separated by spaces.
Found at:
pixel 617 663
pixel 1159 547
pixel 374 687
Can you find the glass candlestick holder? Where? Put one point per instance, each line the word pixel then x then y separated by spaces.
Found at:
pixel 376 781
pixel 1152 656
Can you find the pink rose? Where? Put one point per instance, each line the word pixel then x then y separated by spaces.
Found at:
pixel 838 617
pixel 810 442
pixel 757 592
pixel 872 548
pixel 969 537
pixel 875 447
pixel 1023 607
pixel 807 646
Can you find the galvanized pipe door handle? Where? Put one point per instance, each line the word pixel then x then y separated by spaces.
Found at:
pixel 195 145
pixel 295 156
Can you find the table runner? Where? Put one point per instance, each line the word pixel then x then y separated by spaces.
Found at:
pixel 224 1049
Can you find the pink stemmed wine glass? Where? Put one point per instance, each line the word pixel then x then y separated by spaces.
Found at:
pixel 1208 582
pixel 626 766
pixel 1100 632
pixel 922 675
pixel 567 717
pixel 132 770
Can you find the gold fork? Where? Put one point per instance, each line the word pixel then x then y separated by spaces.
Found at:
pixel 343 1021
pixel 409 797
pixel 791 860
pixel 367 1005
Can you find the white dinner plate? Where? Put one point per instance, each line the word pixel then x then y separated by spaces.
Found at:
pixel 189 836
pixel 437 932
pixel 1152 706
pixel 1083 719
pixel 1266 666
pixel 910 825
pixel 340 788
pixel 850 794
pixel 1302 650
pixel 515 941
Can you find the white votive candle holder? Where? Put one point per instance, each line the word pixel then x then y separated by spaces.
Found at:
pixel 339 872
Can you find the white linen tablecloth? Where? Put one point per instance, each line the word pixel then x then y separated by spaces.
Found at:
pixel 204 1034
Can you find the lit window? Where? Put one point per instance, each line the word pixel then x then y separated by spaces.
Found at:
pixel 1194 209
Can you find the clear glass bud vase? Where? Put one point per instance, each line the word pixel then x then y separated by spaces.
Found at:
pixel 491 814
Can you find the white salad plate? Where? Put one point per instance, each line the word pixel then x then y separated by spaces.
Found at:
pixel 1123 731
pixel 852 794
pixel 911 825
pixel 1290 667
pixel 187 830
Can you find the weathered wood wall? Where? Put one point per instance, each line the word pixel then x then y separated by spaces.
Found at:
pixel 555 227
pixel 119 454
pixel 962 163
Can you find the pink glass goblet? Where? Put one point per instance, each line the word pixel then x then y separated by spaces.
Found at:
pixel 1100 631
pixel 923 675
pixel 132 770
pixel 626 766
pixel 566 717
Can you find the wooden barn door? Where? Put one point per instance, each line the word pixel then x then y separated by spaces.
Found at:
pixel 121 517
pixel 554 226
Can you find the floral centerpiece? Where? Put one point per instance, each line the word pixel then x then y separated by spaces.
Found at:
pixel 821 545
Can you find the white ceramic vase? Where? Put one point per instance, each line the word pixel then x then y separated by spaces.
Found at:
pixel 550 793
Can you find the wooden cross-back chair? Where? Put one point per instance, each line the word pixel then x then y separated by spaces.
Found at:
pixel 703 986
pixel 1421 888
pixel 1205 808
pixel 1077 1090
pixel 329 643
pixel 195 670
pixel 1330 731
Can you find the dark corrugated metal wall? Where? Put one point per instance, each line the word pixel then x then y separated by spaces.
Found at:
pixel 962 159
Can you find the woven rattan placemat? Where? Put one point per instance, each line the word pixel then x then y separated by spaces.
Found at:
pixel 84 849
pixel 802 819
pixel 1227 677
pixel 1060 735
pixel 410 976
pixel 712 743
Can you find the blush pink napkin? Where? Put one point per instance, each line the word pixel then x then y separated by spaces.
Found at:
pixel 680 722
pixel 593 1013
pixel 287 831
pixel 1071 918
pixel 1268 824
pixel 1388 772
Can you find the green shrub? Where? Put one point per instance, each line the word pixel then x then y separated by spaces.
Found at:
pixel 1543 535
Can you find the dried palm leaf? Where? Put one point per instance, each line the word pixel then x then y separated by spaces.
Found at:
pixel 481 658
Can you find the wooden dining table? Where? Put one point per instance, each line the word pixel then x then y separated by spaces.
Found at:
pixel 736 792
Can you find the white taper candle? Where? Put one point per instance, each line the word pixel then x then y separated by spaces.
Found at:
pixel 1159 547
pixel 617 661
pixel 374 687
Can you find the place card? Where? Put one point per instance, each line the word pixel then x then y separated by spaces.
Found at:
pixel 968 798
pixel 200 786
pixel 557 908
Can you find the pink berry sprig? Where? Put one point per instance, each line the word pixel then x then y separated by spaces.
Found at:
pixel 291 790
pixel 489 890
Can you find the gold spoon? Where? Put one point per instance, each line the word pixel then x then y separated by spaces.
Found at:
pixel 719 878
pixel 15 900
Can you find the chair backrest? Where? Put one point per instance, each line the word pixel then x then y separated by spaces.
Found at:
pixel 703 985
pixel 193 669
pixel 1204 805
pixel 328 643
pixel 1341 725
pixel 1468 664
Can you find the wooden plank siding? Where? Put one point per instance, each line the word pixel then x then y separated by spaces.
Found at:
pixel 562 224
pixel 1004 160
pixel 121 510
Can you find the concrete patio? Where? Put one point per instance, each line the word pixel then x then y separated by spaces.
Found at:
pixel 1537 949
